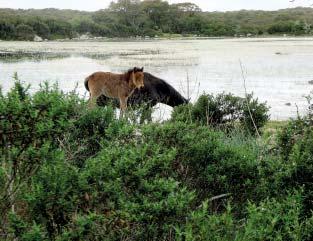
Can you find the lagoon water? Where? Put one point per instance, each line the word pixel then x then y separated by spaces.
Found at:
pixel 278 70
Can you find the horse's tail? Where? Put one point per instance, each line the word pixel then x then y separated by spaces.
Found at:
pixel 86 83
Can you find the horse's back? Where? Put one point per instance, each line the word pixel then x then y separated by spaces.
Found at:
pixel 102 78
pixel 96 76
pixel 103 82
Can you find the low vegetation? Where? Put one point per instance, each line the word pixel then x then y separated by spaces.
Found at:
pixel 71 173
pixel 225 111
pixel 131 18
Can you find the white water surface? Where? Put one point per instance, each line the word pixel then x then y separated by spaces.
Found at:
pixel 277 70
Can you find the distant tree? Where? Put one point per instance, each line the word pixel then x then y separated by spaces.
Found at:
pixel 157 11
pixel 184 17
pixel 7 30
pixel 85 26
pixel 291 27
pixel 128 12
pixel 188 7
pixel 60 29
pixel 41 29
pixel 25 32
pixel 299 27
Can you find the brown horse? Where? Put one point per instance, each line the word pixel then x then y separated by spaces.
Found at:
pixel 118 86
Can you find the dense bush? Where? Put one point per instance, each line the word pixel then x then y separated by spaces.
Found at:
pixel 7 30
pixel 41 29
pixel 225 111
pixel 289 27
pixel 71 173
pixel 206 164
pixel 272 219
pixel 24 32
pixel 295 146
pixel 295 130
pixel 30 128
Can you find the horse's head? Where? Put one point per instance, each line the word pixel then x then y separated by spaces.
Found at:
pixel 137 77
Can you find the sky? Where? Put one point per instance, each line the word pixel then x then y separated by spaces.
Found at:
pixel 205 5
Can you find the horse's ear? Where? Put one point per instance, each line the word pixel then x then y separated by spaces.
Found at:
pixel 141 69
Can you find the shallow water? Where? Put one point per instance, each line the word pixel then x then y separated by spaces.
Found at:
pixel 277 70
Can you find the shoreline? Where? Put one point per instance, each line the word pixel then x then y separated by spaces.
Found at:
pixel 151 39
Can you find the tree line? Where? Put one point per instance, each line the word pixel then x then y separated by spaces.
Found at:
pixel 130 18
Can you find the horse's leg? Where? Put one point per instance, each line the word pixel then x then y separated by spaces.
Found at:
pixel 94 94
pixel 92 102
pixel 103 100
pixel 123 105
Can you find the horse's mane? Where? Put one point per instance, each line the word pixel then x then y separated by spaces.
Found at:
pixel 155 90
pixel 129 71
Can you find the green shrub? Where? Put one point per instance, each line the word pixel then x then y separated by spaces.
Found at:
pixel 224 111
pixel 290 134
pixel 295 130
pixel 276 219
pixel 22 231
pixel 132 184
pixel 272 219
pixel 30 127
pixel 43 117
pixel 44 138
pixel 208 162
pixel 201 225
pixel 295 146
pixel 254 114
pixel 300 158
pixel 24 32
pixel 87 133
pixel 89 227
pixel 71 173
pixel 54 195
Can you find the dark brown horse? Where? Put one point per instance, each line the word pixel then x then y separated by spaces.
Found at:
pixel 155 91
